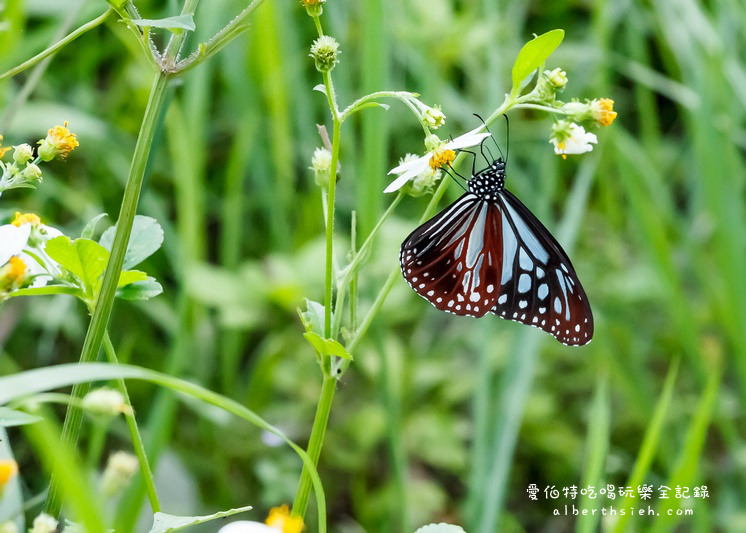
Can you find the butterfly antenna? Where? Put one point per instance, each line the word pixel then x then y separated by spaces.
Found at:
pixel 507 136
pixel 493 139
pixel 473 160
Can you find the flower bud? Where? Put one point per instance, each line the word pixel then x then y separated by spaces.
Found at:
pixel 321 163
pixel 432 142
pixel 31 173
pixel 602 110
pixel 106 402
pixel 434 117
pixel 557 78
pixel 58 142
pixel 119 470
pixel 23 152
pixel 44 524
pixel 324 51
pixel 314 8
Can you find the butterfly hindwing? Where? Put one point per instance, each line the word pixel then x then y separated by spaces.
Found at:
pixel 454 259
pixel 538 284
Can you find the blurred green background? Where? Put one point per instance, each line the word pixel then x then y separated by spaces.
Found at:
pixel 440 418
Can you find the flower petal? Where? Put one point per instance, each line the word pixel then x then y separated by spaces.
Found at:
pixel 245 526
pixel 411 169
pixel 470 138
pixel 12 240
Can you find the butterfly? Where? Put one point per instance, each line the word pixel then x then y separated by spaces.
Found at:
pixel 486 252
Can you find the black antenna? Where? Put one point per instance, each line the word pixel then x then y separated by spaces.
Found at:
pixel 507 135
pixel 454 177
pixel 493 139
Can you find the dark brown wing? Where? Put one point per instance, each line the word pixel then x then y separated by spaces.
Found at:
pixel 454 259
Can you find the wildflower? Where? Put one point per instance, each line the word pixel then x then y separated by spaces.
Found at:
pixel 106 402
pixel 25 218
pixel 321 163
pixel 602 110
pixel 423 182
pixel 440 154
pixel 324 51
pixel 314 8
pixel 12 276
pixel 31 173
pixel 58 142
pixel 44 524
pixel 432 117
pixel 570 138
pixel 119 470
pixel 3 149
pixel 22 153
pixel 557 78
pixel 279 519
pixel 8 469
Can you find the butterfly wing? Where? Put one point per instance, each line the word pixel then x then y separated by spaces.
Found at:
pixel 538 284
pixel 454 259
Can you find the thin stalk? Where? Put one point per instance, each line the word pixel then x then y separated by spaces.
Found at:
pixel 315 443
pixel 102 311
pixel 328 275
pixel 88 26
pixel 137 443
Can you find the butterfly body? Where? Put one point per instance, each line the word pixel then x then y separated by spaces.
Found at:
pixel 487 252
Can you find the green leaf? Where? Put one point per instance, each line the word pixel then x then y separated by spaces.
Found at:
pixel 326 346
pixel 146 238
pixel 11 418
pixel 163 523
pixel 313 317
pixel 83 257
pixel 131 276
pixel 533 54
pixel 440 528
pixel 140 290
pixel 90 228
pixel 175 24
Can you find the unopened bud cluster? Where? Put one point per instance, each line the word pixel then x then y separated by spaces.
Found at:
pixel 324 52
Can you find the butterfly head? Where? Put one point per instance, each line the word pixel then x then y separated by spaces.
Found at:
pixel 489 181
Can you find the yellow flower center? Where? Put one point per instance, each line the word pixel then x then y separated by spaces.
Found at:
pixel 26 218
pixel 281 519
pixel 17 269
pixel 561 146
pixel 312 2
pixel 606 112
pixel 8 469
pixel 442 158
pixel 61 138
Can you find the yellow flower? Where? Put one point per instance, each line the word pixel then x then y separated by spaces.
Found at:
pixel 3 150
pixel 281 519
pixel 442 158
pixel 8 469
pixel 603 111
pixel 25 218
pixel 312 3
pixel 59 142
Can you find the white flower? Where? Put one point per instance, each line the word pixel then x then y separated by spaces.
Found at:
pixel 245 526
pixel 13 240
pixel 27 238
pixel 44 524
pixel 570 138
pixel 436 158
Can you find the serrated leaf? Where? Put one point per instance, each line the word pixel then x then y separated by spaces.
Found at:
pixel 326 347
pixel 11 418
pixel 131 276
pixel 174 24
pixel 83 257
pixel 163 523
pixel 533 54
pixel 140 290
pixel 90 228
pixel 146 238
pixel 440 528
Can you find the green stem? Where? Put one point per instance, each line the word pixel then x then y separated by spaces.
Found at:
pixel 137 443
pixel 102 311
pixel 315 443
pixel 88 26
pixel 328 277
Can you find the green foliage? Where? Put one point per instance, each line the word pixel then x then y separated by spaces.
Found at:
pixel 533 55
pixel 174 24
pixel 164 523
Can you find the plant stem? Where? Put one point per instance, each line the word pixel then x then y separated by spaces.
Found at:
pixel 88 26
pixel 315 442
pixel 137 442
pixel 102 311
pixel 328 276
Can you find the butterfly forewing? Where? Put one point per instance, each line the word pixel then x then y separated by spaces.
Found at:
pixel 454 259
pixel 539 286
